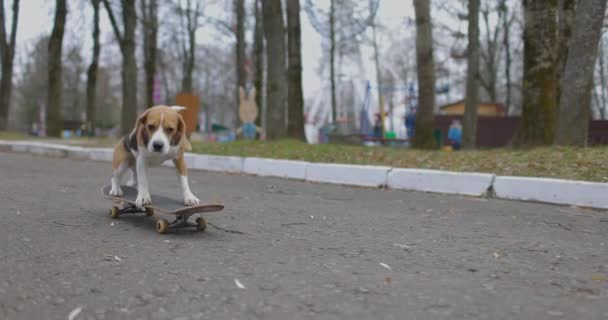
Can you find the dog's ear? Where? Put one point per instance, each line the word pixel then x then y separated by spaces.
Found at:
pixel 180 135
pixel 140 129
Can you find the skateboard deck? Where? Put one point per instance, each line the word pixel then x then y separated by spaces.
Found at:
pixel 164 205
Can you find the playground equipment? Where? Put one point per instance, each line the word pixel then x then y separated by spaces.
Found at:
pixel 379 123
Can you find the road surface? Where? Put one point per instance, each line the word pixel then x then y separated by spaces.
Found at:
pixel 290 250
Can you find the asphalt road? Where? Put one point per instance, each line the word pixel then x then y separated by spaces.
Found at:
pixel 298 250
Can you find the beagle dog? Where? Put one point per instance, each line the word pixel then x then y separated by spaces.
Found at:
pixel 159 135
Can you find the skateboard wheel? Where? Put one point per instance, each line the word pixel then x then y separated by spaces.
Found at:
pixel 201 224
pixel 162 226
pixel 149 211
pixel 114 212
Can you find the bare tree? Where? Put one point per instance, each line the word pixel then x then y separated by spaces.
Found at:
pixel 566 23
pixel 92 70
pixel 506 20
pixel 426 76
pixel 540 73
pixel 258 53
pixel 490 54
pixel 7 57
pixel 469 135
pixel 126 41
pixel 54 119
pixel 577 81
pixel 295 112
pixel 332 58
pixel 274 32
pixel 189 17
pixel 149 10
pixel 240 48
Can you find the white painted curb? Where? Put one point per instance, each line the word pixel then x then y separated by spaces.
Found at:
pixel 471 184
pixel 355 175
pixel 100 154
pixel 568 192
pixel 275 168
pixel 217 163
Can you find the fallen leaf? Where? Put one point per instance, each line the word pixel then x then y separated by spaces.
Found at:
pixel 599 278
pixel 386 266
pixel 387 280
pixel 74 313
pixel 239 284
pixel 497 255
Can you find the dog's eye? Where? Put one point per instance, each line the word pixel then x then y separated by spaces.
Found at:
pixel 151 127
pixel 170 130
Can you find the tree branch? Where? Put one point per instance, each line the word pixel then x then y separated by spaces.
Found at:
pixel 117 33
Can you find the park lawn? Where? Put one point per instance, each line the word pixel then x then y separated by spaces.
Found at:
pixel 588 164
pixel 555 162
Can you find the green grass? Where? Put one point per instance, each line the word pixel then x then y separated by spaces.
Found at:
pixel 11 135
pixel 588 164
pixel 556 162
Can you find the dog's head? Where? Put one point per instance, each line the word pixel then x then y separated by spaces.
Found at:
pixel 160 128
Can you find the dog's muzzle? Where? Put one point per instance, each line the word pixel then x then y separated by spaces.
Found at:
pixel 157 146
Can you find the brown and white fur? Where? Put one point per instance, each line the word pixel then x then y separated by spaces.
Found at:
pixel 159 135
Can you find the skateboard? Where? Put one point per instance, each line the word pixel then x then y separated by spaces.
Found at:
pixel 165 205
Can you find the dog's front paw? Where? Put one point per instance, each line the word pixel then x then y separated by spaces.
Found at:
pixel 143 199
pixel 191 200
pixel 116 192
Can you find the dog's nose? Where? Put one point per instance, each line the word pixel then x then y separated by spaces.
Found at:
pixel 157 146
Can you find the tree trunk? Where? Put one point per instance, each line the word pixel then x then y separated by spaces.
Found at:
pixel 53 116
pixel 603 82
pixel 295 113
pixel 378 73
pixel 577 82
pixel 7 57
pixel 423 137
pixel 506 25
pixel 469 134
pixel 258 44
pixel 126 41
pixel 274 31
pixel 129 65
pixel 332 59
pixel 92 71
pixel 149 11
pixel 187 80
pixel 540 73
pixel 241 72
pixel 566 21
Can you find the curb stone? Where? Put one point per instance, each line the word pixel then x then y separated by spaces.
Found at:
pixel 355 175
pixel 275 168
pixel 464 183
pixel 556 191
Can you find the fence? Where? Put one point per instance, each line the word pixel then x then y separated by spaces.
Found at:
pixel 494 132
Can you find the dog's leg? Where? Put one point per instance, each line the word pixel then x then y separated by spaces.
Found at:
pixel 117 176
pixel 182 175
pixel 143 194
pixel 133 181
